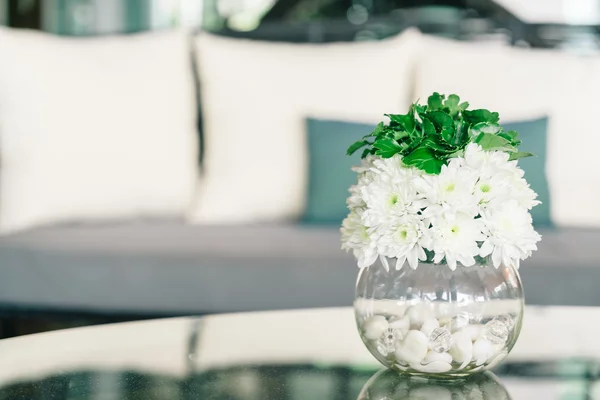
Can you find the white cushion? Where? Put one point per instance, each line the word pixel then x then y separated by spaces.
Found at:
pixel 95 128
pixel 517 83
pixel 255 98
pixel 574 144
pixel 522 84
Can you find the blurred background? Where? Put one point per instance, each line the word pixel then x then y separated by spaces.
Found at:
pixel 537 23
pixel 186 157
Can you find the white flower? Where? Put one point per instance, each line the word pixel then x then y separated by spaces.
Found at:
pixel 477 206
pixel 456 240
pixel 450 192
pixel 356 238
pixel 519 190
pixel 355 199
pixel 391 193
pixel 365 176
pixel 511 236
pixel 488 163
pixel 404 238
pixel 491 188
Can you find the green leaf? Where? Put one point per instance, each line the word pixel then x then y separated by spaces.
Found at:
pixel 405 121
pixel 428 128
pixel 457 153
pixel 435 101
pixel 440 119
pixel 451 104
pixel 520 154
pixel 476 116
pixel 437 146
pixel 386 148
pixel 491 142
pixel 424 159
pixel 513 136
pixel 399 135
pixel 448 134
pixel 459 134
pixel 355 146
pixel 463 106
pixel 379 129
pixel 419 109
pixel 484 127
pixel 416 135
pixel 366 152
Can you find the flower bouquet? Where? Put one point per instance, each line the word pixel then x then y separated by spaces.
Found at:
pixel 440 190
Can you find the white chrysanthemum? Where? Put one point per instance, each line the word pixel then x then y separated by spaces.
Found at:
pixel 456 240
pixel 489 163
pixel 355 199
pixel 488 189
pixel 518 189
pixel 450 192
pixel 511 236
pixel 365 176
pixel 405 239
pixel 397 211
pixel 390 194
pixel 356 238
pixel 499 180
pixel 365 164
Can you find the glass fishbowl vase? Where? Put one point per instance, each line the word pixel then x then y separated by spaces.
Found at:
pixel 436 322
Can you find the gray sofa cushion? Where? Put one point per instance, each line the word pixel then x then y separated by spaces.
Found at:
pixel 172 268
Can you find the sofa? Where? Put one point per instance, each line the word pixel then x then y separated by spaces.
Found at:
pixel 170 268
pixel 234 239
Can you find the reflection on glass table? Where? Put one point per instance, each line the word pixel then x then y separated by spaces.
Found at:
pixel 388 385
pixel 294 355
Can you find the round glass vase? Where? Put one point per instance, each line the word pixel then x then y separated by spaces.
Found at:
pixel 437 322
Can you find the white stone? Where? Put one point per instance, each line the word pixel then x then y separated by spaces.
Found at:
pixel 429 325
pixel 433 367
pixel 462 348
pixel 418 314
pixel 482 351
pixel 430 392
pixel 445 310
pixel 402 324
pixel 375 327
pixel 474 331
pixel 390 308
pixel 435 356
pixel 413 348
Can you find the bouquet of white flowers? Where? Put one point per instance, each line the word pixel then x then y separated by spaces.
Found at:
pixel 440 184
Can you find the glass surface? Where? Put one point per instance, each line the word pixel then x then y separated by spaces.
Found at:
pixel 387 385
pixel 283 355
pixel 435 321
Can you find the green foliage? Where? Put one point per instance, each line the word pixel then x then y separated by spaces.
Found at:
pixel 429 135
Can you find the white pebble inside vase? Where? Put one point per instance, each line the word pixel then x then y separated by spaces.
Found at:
pixel 437 322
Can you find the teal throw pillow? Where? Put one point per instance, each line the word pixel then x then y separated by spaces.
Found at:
pixel 330 173
pixel 535 140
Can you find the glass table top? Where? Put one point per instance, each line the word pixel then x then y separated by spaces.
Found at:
pixel 290 355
